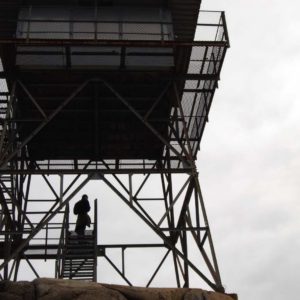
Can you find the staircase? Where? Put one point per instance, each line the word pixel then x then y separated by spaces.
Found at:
pixel 80 257
pixel 4 112
pixel 6 207
pixel 77 255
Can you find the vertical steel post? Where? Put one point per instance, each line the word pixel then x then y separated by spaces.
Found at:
pixel 95 234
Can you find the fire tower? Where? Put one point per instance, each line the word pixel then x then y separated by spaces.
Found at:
pixel 106 90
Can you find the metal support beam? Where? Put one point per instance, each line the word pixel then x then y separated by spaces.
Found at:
pixel 166 240
pixel 43 124
pixel 43 223
pixel 219 282
pixel 147 124
pixel 32 99
pixel 117 269
pixel 158 267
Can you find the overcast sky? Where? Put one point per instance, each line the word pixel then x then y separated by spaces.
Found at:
pixel 249 161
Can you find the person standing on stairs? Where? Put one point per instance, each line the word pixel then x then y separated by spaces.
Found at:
pixel 81 209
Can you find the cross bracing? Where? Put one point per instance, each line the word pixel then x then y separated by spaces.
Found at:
pixel 138 112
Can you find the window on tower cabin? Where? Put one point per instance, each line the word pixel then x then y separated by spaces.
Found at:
pixel 102 22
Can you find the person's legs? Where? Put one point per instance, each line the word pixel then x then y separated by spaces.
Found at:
pixel 80 229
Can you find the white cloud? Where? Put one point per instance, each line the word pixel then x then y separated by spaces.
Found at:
pixel 249 163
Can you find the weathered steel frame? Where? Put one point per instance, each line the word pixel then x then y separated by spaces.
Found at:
pixel 57 207
pixel 9 155
pixel 176 242
pixel 177 232
pixel 20 211
pixel 155 44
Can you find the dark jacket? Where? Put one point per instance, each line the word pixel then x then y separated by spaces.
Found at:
pixel 82 207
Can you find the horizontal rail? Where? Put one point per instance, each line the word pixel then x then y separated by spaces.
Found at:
pixel 101 171
pixel 96 29
pixel 108 42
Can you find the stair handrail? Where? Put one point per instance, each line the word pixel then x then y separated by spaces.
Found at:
pixel 61 244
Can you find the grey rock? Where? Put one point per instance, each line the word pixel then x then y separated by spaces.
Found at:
pixel 16 290
pixel 139 293
pixel 54 289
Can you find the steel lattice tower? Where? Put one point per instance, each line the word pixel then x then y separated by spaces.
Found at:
pixel 103 89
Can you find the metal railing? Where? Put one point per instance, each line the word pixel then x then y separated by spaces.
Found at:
pixel 90 29
pixel 211 27
pixel 61 243
pixel 203 70
pixel 65 232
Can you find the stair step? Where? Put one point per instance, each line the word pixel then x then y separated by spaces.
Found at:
pixel 79 276
pixel 90 238
pixel 78 250
pixel 76 245
pixel 78 256
pixel 74 267
pixel 80 272
pixel 81 279
pixel 90 271
pixel 69 263
pixel 80 244
pixel 84 254
pixel 82 264
pixel 87 259
pixel 88 278
pixel 82 268
pixel 72 262
pixel 78 240
pixel 81 249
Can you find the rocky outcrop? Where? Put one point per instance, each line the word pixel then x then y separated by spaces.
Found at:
pixel 136 293
pixel 17 290
pixel 54 289
pixel 51 289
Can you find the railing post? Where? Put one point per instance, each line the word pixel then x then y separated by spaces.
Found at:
pixel 96 22
pixel 130 189
pixel 46 242
pixel 225 28
pixel 66 225
pixel 62 241
pixel 1 219
pixel 95 238
pixel 29 23
pixel 161 25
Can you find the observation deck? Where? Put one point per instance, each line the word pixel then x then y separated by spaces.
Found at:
pixel 82 84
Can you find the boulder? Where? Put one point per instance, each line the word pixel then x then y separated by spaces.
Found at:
pixel 16 290
pixel 138 293
pixel 57 289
